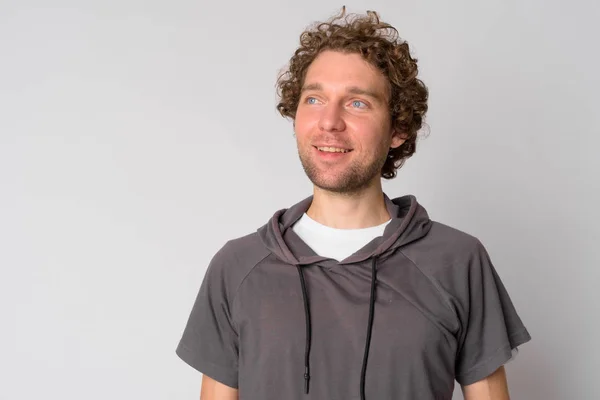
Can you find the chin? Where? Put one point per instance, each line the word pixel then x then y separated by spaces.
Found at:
pixel 337 185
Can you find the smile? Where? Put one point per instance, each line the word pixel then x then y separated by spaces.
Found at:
pixel 333 150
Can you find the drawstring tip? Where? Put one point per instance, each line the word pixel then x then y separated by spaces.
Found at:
pixel 306 379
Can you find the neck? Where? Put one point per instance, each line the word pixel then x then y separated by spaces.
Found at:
pixel 349 211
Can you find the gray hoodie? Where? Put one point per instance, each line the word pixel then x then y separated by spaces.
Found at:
pixel 402 318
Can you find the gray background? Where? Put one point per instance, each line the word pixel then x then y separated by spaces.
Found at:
pixel 136 137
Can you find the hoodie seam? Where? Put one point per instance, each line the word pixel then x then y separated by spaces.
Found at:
pixel 237 290
pixel 433 282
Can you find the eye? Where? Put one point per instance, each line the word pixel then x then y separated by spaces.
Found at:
pixel 310 100
pixel 359 104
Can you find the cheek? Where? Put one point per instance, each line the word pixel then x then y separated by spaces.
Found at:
pixel 303 124
pixel 304 117
pixel 301 133
pixel 370 135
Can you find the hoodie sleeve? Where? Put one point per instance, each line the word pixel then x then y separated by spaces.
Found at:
pixel 210 342
pixel 490 326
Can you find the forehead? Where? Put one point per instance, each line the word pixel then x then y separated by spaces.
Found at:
pixel 333 69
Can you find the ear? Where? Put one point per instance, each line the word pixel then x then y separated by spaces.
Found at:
pixel 398 139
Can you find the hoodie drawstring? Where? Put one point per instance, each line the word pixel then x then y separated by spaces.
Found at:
pixel 308 330
pixel 369 328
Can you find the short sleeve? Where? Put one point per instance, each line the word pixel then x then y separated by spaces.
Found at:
pixel 491 329
pixel 210 342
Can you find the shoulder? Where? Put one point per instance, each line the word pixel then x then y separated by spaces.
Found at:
pixel 235 260
pixel 446 243
pixel 450 241
pixel 445 253
pixel 247 248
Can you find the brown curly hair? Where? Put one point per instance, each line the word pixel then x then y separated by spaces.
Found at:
pixel 379 44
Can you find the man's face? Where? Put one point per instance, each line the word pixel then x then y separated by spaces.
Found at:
pixel 343 127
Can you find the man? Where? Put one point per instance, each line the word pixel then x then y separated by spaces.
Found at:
pixel 350 293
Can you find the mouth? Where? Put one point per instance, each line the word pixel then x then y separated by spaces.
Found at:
pixel 332 149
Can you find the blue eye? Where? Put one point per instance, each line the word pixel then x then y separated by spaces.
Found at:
pixel 311 100
pixel 359 104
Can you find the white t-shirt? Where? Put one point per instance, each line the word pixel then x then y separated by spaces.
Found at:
pixel 333 242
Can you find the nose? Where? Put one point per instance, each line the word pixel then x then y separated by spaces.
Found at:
pixel 331 118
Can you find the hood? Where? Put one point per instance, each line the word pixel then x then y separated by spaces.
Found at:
pixel 410 222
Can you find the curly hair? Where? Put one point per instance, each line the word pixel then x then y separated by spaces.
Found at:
pixel 379 44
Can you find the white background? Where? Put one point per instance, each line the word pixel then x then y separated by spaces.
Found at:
pixel 136 137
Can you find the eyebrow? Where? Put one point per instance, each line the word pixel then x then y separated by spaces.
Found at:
pixel 349 89
pixel 365 92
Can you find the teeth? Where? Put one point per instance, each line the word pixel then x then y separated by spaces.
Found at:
pixel 333 149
